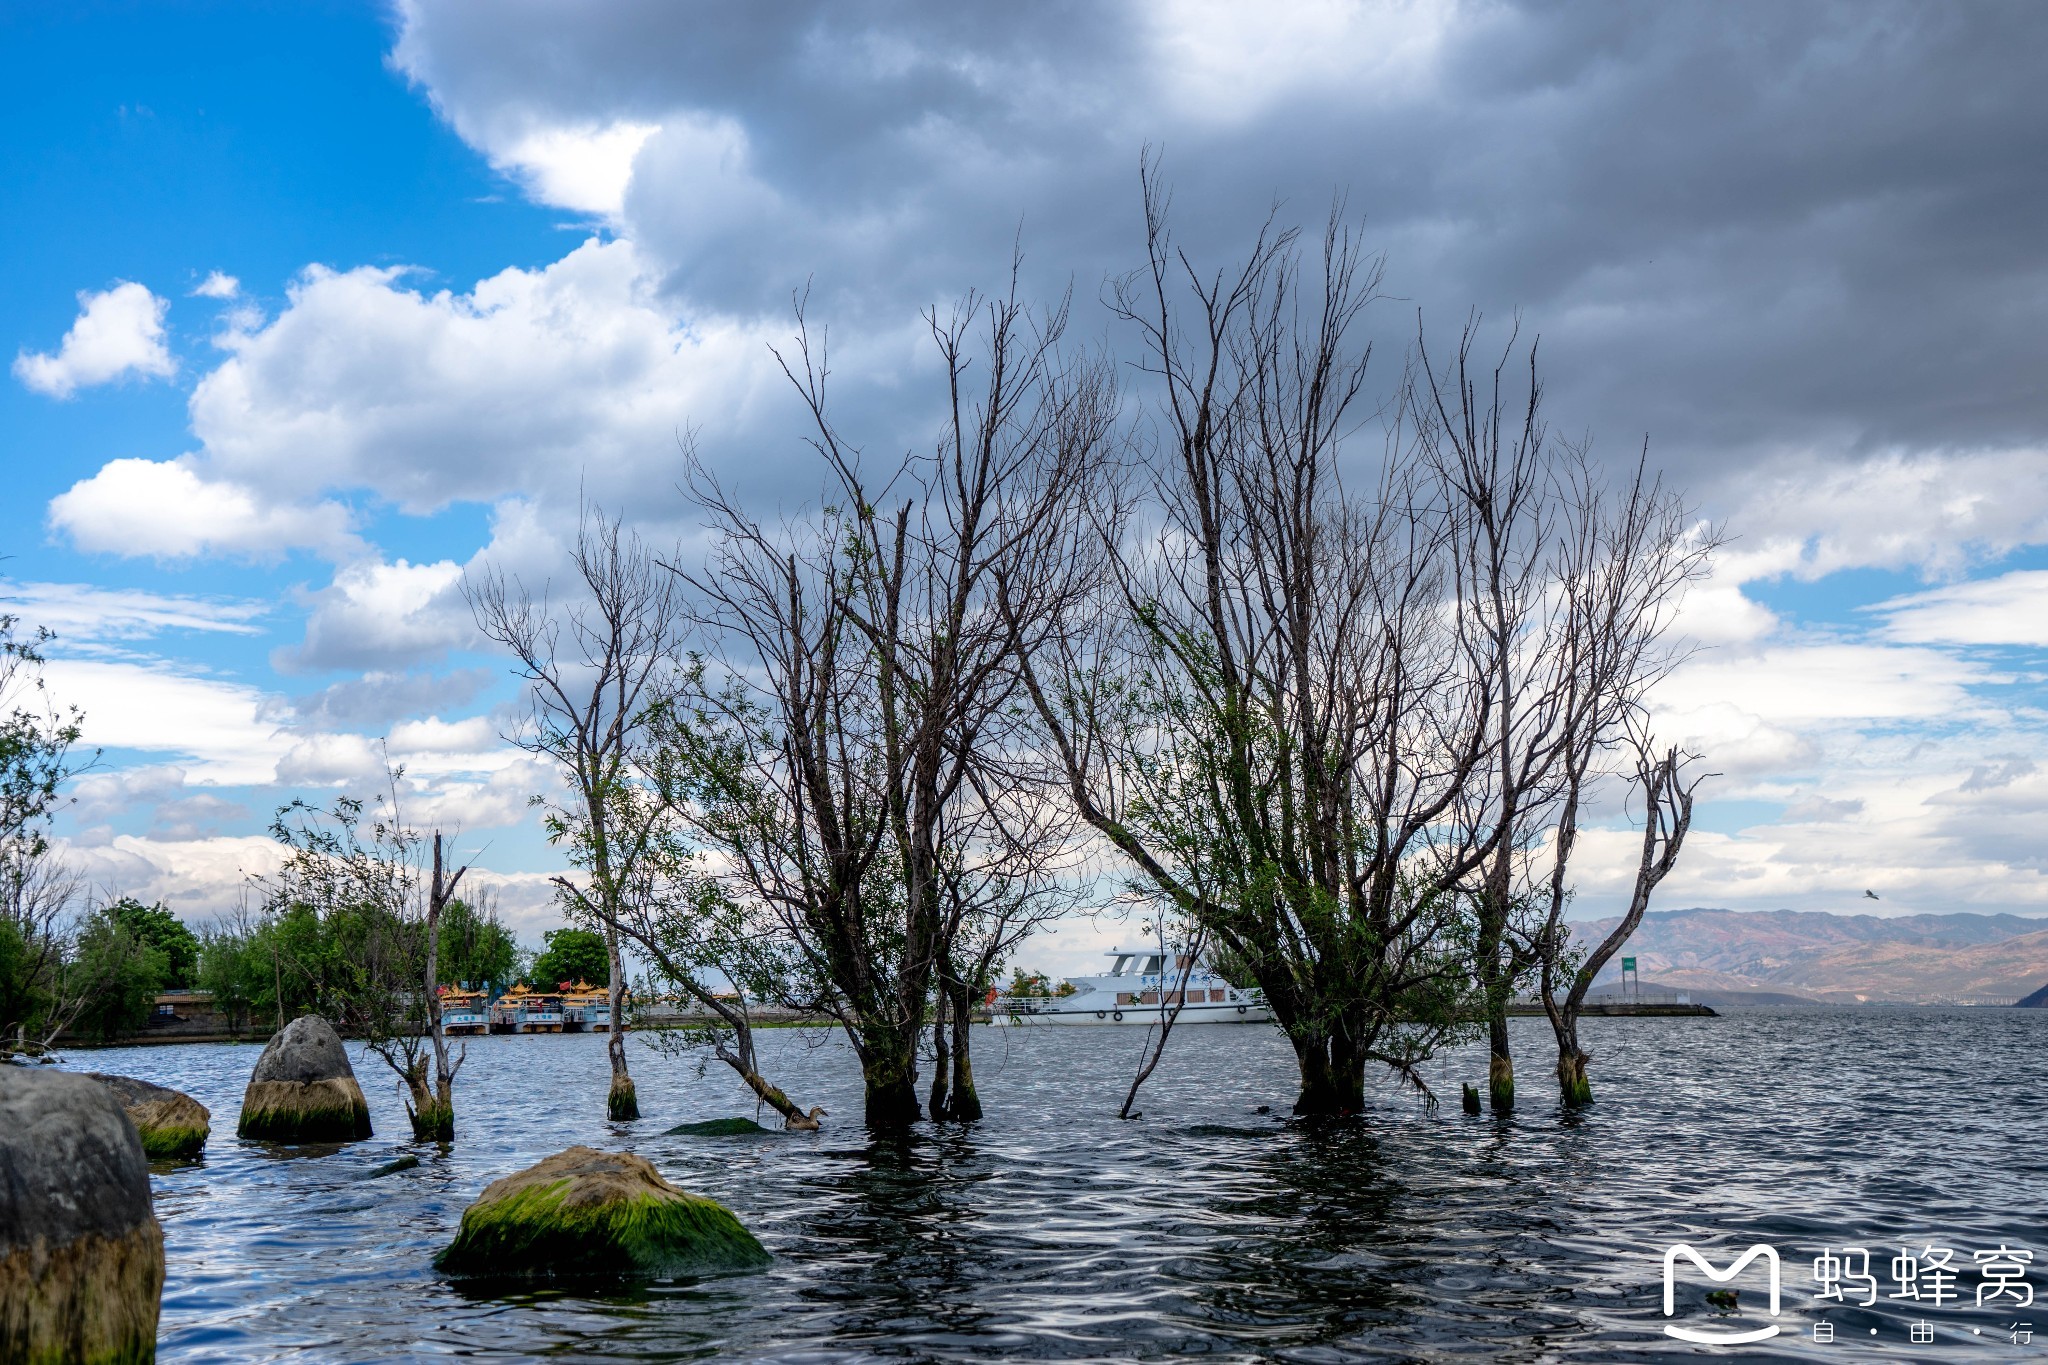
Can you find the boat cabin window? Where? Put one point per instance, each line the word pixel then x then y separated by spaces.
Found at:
pixel 1118 968
pixel 1152 965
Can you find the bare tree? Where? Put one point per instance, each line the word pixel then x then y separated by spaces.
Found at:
pixel 863 676
pixel 1279 720
pixel 1330 724
pixel 1531 532
pixel 1667 795
pixel 1628 553
pixel 1006 870
pixel 1171 1002
pixel 692 936
pixel 594 664
pixel 440 890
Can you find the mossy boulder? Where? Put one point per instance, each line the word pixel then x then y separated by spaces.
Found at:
pixel 81 1254
pixel 171 1122
pixel 303 1089
pixel 718 1128
pixel 586 1214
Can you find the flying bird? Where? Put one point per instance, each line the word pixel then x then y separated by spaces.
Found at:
pixel 1872 895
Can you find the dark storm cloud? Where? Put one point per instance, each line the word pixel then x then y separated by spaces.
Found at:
pixel 1750 230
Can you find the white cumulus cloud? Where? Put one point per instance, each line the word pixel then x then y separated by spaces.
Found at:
pixel 218 285
pixel 2011 609
pixel 582 168
pixel 1938 512
pixel 82 612
pixel 379 615
pixel 168 510
pixel 219 732
pixel 119 331
pixel 536 380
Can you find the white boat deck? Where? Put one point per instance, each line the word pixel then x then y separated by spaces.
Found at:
pixel 1142 986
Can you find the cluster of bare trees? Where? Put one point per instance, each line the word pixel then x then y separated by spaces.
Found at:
pixel 834 802
pixel 1337 713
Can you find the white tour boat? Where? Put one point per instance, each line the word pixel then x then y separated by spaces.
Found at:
pixel 1130 993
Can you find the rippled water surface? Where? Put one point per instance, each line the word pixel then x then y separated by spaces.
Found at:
pixel 1052 1230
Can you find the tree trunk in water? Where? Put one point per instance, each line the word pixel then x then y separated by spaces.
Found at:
pixel 941 1059
pixel 966 1104
pixel 770 1094
pixel 1496 978
pixel 432 1119
pixel 891 1078
pixel 622 1104
pixel 1572 1084
pixel 1332 1082
pixel 433 1116
pixel 1500 1070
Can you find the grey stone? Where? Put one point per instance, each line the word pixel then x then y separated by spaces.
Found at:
pixel 303 1089
pixel 70 1161
pixel 306 1050
pixel 81 1253
pixel 131 1091
pixel 171 1122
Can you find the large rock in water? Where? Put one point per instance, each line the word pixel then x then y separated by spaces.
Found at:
pixel 303 1089
pixel 171 1122
pixel 589 1214
pixel 81 1255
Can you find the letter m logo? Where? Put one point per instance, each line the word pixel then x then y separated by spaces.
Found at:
pixel 1672 1329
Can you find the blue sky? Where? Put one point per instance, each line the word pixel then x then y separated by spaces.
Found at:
pixel 467 266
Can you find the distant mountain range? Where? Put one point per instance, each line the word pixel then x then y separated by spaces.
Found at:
pixel 1735 955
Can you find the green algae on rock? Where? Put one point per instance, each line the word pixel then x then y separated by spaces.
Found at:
pixel 303 1089
pixel 172 1123
pixel 586 1214
pixel 81 1254
pixel 718 1128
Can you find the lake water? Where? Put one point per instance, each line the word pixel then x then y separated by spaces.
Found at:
pixel 1053 1230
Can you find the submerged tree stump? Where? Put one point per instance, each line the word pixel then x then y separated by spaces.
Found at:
pixel 1571 1079
pixel 171 1122
pixel 586 1214
pixel 303 1089
pixel 81 1255
pixel 622 1105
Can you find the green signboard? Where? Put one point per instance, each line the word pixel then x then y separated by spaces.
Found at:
pixel 1628 964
